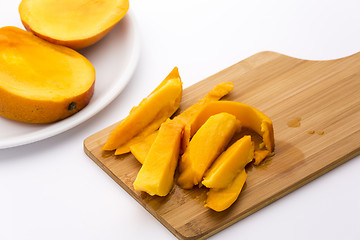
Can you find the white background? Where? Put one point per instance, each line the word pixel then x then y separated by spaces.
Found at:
pixel 52 190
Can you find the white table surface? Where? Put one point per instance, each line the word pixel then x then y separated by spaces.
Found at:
pixel 51 190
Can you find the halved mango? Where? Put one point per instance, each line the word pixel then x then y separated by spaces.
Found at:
pixel 72 23
pixel 41 82
pixel 206 145
pixel 149 114
pixel 221 199
pixel 156 175
pixel 229 164
pixel 249 117
pixel 140 145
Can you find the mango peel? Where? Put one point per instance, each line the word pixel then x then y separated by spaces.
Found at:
pixel 249 117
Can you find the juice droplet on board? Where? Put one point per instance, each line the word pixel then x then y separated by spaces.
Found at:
pixel 295 122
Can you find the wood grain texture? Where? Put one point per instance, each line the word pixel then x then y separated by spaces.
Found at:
pixel 324 94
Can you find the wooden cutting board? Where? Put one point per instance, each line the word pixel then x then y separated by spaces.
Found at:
pixel 324 94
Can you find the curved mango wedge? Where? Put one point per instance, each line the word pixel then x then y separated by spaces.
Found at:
pixel 223 198
pixel 232 161
pixel 155 108
pixel 156 175
pixel 140 145
pixel 205 147
pixel 249 117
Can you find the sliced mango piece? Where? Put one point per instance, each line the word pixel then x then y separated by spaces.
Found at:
pixel 221 199
pixel 215 94
pixel 141 149
pixel 140 145
pixel 260 155
pixel 154 125
pixel 206 145
pixel 157 107
pixel 229 164
pixel 157 173
pixel 249 117
pixel 148 130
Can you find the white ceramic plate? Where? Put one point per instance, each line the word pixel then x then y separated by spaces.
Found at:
pixel 114 57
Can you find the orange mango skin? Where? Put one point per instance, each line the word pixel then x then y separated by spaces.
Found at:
pixel 221 199
pixel 205 146
pixel 156 175
pixel 41 82
pixel 156 108
pixel 140 145
pixel 51 19
pixel 249 117
pixel 229 164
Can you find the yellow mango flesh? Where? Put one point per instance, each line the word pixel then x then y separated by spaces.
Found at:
pixel 249 117
pixel 260 155
pixel 141 149
pixel 76 24
pixel 157 173
pixel 221 199
pixel 215 94
pixel 140 145
pixel 41 82
pixel 205 146
pixel 155 108
pixel 229 164
pixel 154 125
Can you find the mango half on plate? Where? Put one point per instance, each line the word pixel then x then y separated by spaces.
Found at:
pixel 72 23
pixel 41 82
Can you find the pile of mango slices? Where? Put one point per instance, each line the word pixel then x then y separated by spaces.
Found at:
pixel 194 142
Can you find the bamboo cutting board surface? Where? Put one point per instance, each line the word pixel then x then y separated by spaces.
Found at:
pixel 324 94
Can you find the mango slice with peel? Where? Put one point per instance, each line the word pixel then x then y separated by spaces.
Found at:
pixel 205 146
pixel 41 82
pixel 229 164
pixel 156 108
pixel 157 173
pixel 72 23
pixel 221 199
pixel 140 145
pixel 249 117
